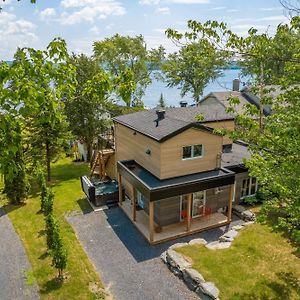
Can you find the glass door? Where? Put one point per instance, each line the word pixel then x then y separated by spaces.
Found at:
pixel 198 206
pixel 140 200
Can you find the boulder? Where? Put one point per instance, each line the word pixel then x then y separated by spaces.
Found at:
pixel 163 257
pixel 230 234
pixel 192 278
pixel 207 290
pixel 225 239
pixel 218 245
pixel 237 227
pixel 248 223
pixel 198 242
pixel 178 245
pixel 238 208
pixel 248 215
pixel 177 262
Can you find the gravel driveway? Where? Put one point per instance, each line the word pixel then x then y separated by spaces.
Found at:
pixel 13 264
pixel 129 267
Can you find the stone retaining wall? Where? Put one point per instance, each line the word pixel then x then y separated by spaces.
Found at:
pixel 183 269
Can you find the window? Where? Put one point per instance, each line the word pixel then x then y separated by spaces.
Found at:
pixel 193 151
pixel 249 187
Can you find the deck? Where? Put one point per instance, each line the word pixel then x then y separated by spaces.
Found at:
pixel 175 230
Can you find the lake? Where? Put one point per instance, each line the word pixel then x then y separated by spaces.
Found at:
pixel 172 95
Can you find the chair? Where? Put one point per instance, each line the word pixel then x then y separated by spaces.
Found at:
pixel 207 212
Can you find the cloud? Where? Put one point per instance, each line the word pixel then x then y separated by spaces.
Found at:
pixel 46 13
pixel 15 33
pixel 163 10
pixel 189 1
pixel 275 18
pixel 271 8
pixel 218 8
pixel 90 10
pixel 232 10
pixel 94 30
pixel 160 30
pixel 149 2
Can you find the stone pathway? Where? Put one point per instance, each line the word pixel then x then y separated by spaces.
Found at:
pixel 129 267
pixel 13 264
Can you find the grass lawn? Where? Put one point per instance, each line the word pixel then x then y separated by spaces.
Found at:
pixel 260 264
pixel 82 281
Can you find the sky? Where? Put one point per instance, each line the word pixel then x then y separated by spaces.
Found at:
pixel 81 22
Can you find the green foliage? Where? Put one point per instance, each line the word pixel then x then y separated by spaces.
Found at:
pixel 48 202
pixel 55 244
pixel 33 85
pixel 192 67
pixel 12 163
pixel 60 259
pixel 199 117
pixel 129 64
pixel 87 110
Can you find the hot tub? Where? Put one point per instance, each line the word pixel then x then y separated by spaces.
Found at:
pixel 100 192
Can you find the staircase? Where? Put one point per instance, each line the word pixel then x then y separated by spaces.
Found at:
pixel 100 161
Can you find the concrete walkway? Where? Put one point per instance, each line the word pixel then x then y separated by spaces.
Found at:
pixel 13 264
pixel 129 267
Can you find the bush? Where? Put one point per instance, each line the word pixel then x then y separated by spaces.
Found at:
pixel 48 202
pixel 60 259
pixel 52 231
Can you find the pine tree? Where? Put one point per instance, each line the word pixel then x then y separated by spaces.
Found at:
pixel 161 102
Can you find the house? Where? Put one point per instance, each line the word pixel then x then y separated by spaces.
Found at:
pixel 176 176
pixel 245 96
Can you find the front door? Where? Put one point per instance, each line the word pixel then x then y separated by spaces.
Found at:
pixel 198 205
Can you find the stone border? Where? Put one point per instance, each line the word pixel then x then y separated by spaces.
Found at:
pixel 183 269
pixel 243 213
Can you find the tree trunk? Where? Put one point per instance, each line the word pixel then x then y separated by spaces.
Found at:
pixel 48 160
pixel 89 151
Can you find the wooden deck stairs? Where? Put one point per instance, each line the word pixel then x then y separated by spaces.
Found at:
pixel 99 164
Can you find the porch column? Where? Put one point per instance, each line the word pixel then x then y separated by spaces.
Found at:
pixel 231 192
pixel 151 221
pixel 133 204
pixel 189 209
pixel 120 189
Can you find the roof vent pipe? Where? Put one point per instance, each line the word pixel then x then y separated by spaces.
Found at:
pixel 183 104
pixel 236 85
pixel 160 114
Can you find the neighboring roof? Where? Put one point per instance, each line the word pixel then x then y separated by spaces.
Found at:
pixel 175 120
pixel 235 157
pixel 245 96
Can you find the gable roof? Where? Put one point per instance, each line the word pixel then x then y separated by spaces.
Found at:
pixel 245 96
pixel 175 120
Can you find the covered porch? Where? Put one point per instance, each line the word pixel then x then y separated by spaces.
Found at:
pixel 148 217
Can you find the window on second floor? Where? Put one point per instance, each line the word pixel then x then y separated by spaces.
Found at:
pixel 193 151
pixel 249 187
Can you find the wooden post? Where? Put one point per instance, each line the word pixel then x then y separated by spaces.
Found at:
pixel 133 204
pixel 231 191
pixel 151 221
pixel 120 189
pixel 189 209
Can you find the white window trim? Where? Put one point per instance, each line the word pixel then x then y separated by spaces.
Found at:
pixel 249 188
pixel 181 199
pixel 193 157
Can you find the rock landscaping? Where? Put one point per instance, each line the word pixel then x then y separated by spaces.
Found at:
pixel 243 213
pixel 183 268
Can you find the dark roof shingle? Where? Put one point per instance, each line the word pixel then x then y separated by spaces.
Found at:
pixel 175 120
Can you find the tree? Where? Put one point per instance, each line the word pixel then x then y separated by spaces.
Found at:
pixel 12 163
pixel 161 102
pixel 129 63
pixel 196 63
pixel 33 85
pixel 87 110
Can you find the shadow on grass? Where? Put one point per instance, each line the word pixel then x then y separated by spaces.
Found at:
pixel 7 208
pixel 51 285
pixel 84 205
pixel 285 287
pixel 44 255
pixel 42 232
